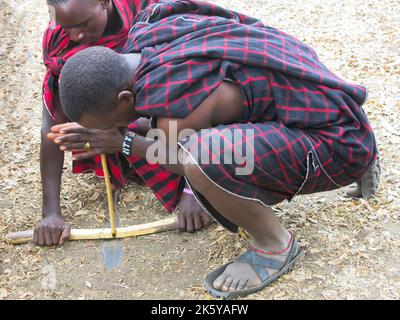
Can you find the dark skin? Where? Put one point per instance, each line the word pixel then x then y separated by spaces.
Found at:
pixel 105 137
pixel 86 21
pixel 223 106
pixel 52 229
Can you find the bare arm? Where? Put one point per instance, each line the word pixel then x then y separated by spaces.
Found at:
pixel 52 229
pixel 223 106
pixel 51 165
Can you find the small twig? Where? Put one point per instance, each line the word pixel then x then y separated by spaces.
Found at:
pixel 367 205
pixel 120 285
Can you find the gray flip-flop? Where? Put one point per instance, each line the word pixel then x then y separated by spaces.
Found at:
pixel 259 263
pixel 370 180
pixel 368 186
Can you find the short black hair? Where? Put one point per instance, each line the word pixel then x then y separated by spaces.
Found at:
pixel 91 80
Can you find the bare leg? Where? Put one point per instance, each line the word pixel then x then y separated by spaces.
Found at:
pixel 259 221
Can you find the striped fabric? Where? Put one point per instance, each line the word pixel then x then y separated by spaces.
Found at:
pixel 311 133
pixel 55 40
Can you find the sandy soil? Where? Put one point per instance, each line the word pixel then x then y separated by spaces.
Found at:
pixel 352 246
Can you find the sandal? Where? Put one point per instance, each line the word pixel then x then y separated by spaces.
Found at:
pixel 368 186
pixel 259 263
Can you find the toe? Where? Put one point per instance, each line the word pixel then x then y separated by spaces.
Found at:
pixel 227 284
pixel 219 281
pixel 234 284
pixel 242 284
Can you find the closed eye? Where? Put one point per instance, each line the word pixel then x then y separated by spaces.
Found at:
pixel 78 25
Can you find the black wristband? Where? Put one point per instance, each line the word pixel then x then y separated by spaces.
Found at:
pixel 127 143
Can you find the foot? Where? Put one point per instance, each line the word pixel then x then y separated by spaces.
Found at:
pixel 354 191
pixel 254 267
pixel 368 186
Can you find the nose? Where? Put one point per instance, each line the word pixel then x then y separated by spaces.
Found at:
pixel 77 36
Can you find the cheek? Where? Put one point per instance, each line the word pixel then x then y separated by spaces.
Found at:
pixel 98 25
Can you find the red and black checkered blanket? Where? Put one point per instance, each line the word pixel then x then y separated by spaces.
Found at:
pixel 293 102
pixel 55 41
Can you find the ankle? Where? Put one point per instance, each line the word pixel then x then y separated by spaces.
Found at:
pixel 274 244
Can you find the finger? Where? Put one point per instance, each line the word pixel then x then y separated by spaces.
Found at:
pixel 71 138
pixel 181 221
pixel 65 234
pixel 75 130
pixel 57 128
pixel 41 237
pixel 85 155
pixel 189 224
pixel 55 233
pixel 35 236
pixel 52 136
pixel 207 220
pixel 47 237
pixel 198 223
pixel 73 146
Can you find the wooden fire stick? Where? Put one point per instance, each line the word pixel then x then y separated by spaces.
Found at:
pixel 105 233
pixel 109 195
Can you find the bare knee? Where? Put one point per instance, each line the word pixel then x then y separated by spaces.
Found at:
pixel 193 173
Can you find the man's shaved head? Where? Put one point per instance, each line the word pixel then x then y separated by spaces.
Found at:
pixel 91 80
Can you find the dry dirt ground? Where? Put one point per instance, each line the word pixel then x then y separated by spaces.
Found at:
pixel 352 247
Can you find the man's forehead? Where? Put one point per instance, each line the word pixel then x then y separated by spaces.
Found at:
pixel 70 7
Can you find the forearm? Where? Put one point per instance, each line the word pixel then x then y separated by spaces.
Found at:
pixel 167 155
pixel 51 166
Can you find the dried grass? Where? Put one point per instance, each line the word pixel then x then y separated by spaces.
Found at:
pixel 352 247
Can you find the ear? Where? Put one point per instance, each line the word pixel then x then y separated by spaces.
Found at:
pixel 104 3
pixel 125 100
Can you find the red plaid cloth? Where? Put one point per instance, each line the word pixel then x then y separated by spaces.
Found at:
pixel 55 40
pixel 300 111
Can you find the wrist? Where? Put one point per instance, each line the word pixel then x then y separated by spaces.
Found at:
pixel 55 212
pixel 120 142
pixel 52 215
pixel 127 142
